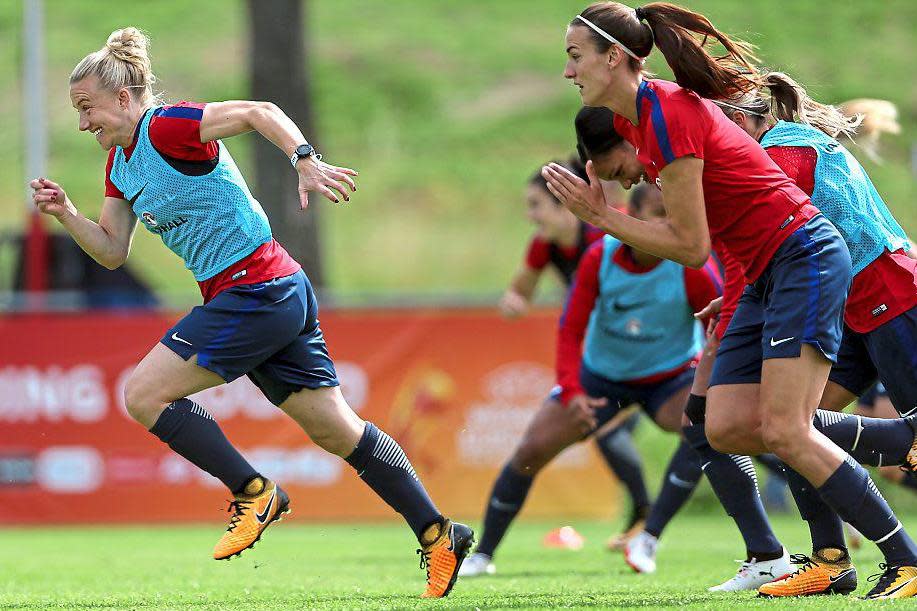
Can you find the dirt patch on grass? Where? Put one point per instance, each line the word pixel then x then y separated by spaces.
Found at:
pixel 512 95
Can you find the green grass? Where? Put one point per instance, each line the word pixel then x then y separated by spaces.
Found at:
pixel 445 107
pixel 372 566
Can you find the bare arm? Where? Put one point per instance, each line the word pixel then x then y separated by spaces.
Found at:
pixel 683 237
pixel 108 241
pixel 227 119
pixel 518 295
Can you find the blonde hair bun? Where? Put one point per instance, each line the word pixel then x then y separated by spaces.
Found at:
pixel 124 61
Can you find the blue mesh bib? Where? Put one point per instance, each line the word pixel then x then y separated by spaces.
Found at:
pixel 210 221
pixel 641 324
pixel 844 194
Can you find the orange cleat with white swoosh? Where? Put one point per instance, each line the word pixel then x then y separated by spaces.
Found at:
pixel 251 514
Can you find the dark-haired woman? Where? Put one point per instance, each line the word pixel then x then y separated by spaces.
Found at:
pixel 627 335
pixel 558 244
pixel 731 476
pixel 718 184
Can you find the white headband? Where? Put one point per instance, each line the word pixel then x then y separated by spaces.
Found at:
pixel 739 108
pixel 609 38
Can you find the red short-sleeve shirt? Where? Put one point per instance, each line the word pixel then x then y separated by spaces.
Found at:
pixel 751 205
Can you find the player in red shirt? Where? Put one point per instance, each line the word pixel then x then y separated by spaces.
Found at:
pixel 718 184
pixel 170 170
pixel 609 296
pixel 560 240
pixel 878 341
pixel 732 477
pixel 558 244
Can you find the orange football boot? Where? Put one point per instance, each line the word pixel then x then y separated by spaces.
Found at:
pixel 828 572
pixel 635 526
pixel 894 582
pixel 443 558
pixel 251 514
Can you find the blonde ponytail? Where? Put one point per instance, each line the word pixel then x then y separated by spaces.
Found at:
pixel 790 102
pixel 124 61
pixel 879 117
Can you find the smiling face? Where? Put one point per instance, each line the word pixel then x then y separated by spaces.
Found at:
pixel 546 213
pixel 620 164
pixel 109 116
pixel 589 69
pixel 650 209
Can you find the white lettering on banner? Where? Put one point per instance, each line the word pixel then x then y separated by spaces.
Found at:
pixel 69 469
pixel 242 398
pixel 493 427
pixel 53 393
pixel 292 466
pixel 519 381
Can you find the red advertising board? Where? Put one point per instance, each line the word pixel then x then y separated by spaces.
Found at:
pixel 454 387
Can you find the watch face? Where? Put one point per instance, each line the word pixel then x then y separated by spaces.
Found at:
pixel 304 150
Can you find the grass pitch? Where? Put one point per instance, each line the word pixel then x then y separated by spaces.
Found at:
pixel 372 566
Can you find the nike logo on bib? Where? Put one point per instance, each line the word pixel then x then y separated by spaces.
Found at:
pixel 781 341
pixel 261 517
pixel 178 339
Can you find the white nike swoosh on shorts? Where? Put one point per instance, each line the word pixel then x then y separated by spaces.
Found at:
pixel 178 339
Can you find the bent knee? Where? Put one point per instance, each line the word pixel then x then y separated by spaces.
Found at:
pixel 333 440
pixel 530 457
pixel 785 440
pixel 141 404
pixel 719 437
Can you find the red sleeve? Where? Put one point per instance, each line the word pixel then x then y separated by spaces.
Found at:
pixel 797 162
pixel 678 127
pixel 539 254
pixel 574 320
pixel 593 234
pixel 703 285
pixel 110 189
pixel 176 131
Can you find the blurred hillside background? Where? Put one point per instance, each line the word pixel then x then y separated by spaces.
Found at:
pixel 445 107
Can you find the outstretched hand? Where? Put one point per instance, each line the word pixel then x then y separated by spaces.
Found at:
pixel 587 201
pixel 316 176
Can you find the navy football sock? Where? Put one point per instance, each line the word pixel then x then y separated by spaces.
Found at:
pixel 617 447
pixel 383 465
pixel 853 495
pixel 678 484
pixel 192 432
pixel 506 499
pixel 735 483
pixel 870 441
pixel 825 525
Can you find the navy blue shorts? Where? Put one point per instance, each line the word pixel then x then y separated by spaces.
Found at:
pixel 620 395
pixel 887 353
pixel 799 299
pixel 268 330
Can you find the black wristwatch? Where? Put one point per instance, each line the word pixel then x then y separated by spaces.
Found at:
pixel 303 150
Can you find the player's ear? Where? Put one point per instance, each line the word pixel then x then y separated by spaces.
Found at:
pixel 124 98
